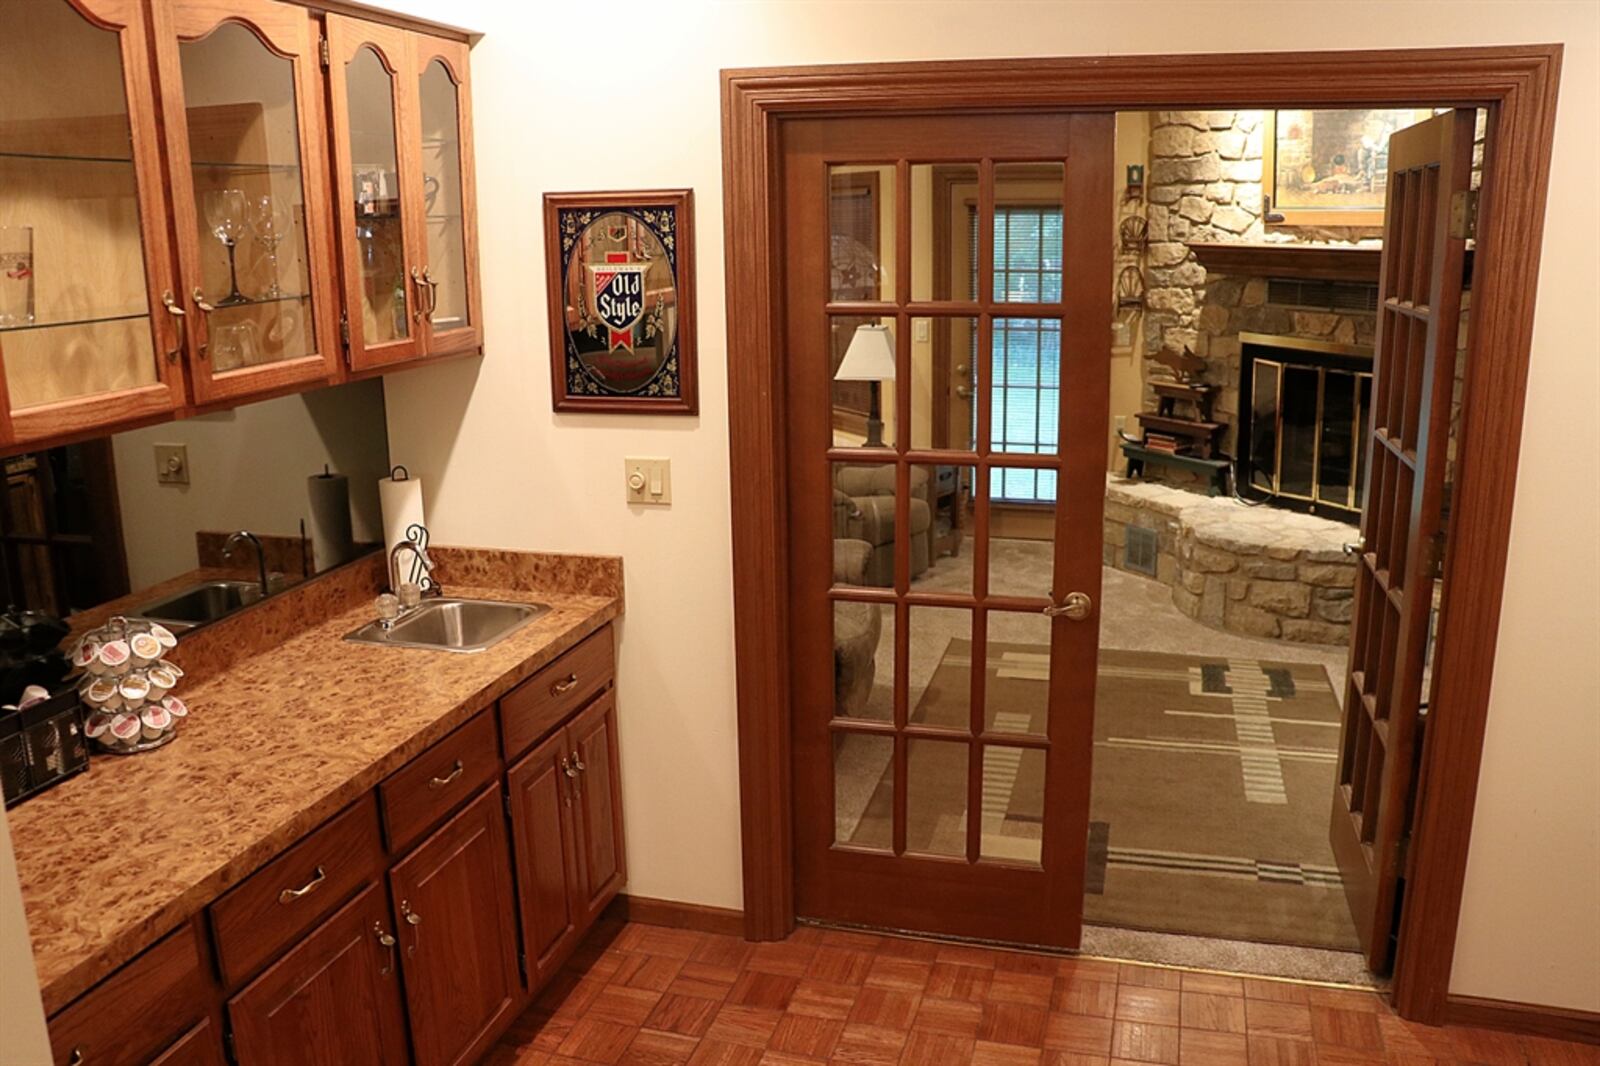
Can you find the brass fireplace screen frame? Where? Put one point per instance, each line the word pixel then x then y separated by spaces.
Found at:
pixel 1325 357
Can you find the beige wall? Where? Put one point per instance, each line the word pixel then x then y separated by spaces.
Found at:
pixel 22 1031
pixel 551 94
pixel 1127 361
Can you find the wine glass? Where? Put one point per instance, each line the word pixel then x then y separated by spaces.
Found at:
pixel 271 219
pixel 225 213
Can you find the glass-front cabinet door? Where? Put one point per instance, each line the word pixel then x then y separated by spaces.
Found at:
pixel 84 256
pixel 443 148
pixel 378 218
pixel 242 97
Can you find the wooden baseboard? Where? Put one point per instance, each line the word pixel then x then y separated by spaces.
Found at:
pixel 677 915
pixel 1558 1023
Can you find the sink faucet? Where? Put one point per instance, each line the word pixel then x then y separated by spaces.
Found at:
pixel 261 555
pixel 422 557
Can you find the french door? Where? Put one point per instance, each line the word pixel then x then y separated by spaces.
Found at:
pixel 943 699
pixel 1402 525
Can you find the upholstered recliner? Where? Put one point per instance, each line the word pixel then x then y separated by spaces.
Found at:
pixel 863 509
pixel 856 629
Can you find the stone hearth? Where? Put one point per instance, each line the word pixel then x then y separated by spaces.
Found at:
pixel 1253 570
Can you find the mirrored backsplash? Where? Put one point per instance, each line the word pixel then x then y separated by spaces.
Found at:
pixel 165 521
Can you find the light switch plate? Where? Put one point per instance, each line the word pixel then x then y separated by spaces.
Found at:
pixel 172 464
pixel 648 480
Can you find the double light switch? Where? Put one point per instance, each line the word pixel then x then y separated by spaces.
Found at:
pixel 649 480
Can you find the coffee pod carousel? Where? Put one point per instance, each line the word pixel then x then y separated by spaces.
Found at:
pixel 126 685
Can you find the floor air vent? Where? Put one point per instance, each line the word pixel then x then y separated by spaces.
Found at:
pixel 1140 546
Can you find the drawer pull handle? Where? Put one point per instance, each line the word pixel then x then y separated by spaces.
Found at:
pixel 289 895
pixel 440 782
pixel 565 685
pixel 386 940
pixel 76 1058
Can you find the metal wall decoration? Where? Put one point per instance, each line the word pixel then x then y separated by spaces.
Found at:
pixel 620 271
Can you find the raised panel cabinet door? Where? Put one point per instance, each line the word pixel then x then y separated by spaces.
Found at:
pixel 85 262
pixel 442 147
pixel 458 936
pixel 332 1001
pixel 598 801
pixel 200 1046
pixel 371 87
pixel 542 838
pixel 242 101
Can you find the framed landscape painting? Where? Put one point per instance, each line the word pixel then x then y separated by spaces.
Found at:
pixel 1330 168
pixel 620 271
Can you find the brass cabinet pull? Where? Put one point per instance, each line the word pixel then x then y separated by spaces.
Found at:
pixel 1075 607
pixel 413 919
pixel 440 782
pixel 421 307
pixel 76 1058
pixel 175 311
pixel 577 760
pixel 565 685
pixel 200 301
pixel 433 290
pixel 289 895
pixel 385 939
pixel 569 772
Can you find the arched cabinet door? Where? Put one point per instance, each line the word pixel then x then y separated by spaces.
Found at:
pixel 84 257
pixel 380 228
pixel 241 95
pixel 441 146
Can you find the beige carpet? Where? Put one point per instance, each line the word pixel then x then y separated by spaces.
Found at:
pixel 1210 798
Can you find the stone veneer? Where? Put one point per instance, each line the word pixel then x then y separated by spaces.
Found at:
pixel 1253 570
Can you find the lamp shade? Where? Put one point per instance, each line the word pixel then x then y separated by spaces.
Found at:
pixel 870 356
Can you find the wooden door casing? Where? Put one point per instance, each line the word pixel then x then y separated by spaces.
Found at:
pixel 346 37
pixel 454 55
pixel 458 939
pixel 973 895
pixel 127 18
pixel 1402 524
pixel 289 32
pixel 334 1000
pixel 543 837
pixel 597 802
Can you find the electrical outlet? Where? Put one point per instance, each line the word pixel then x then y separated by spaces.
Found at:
pixel 920 328
pixel 1122 423
pixel 172 464
pixel 648 480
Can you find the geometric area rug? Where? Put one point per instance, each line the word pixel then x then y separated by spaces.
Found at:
pixel 1211 788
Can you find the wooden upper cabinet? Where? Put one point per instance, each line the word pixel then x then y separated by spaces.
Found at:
pixel 442 154
pixel 84 253
pixel 242 103
pixel 458 935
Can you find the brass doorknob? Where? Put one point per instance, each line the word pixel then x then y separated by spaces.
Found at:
pixel 1075 607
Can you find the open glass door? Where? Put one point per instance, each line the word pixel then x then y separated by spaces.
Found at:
pixel 1402 527
pixel 948 371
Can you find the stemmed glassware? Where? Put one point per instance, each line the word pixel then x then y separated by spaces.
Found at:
pixel 271 219
pixel 225 214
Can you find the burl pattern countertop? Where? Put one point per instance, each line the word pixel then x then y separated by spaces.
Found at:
pixel 275 744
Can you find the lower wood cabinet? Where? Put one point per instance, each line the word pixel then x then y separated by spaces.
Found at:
pixel 543 838
pixel 592 737
pixel 335 999
pixel 200 1046
pixel 458 935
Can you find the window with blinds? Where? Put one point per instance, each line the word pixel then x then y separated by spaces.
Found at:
pixel 1025 361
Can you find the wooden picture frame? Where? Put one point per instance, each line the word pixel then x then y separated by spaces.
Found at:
pixel 619 267
pixel 1286 135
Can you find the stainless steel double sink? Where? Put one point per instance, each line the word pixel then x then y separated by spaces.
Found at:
pixel 451 625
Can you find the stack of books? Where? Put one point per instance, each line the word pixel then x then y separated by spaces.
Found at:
pixel 1165 442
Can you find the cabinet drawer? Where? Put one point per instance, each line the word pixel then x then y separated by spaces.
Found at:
pixel 439 780
pixel 538 705
pixel 140 1009
pixel 280 901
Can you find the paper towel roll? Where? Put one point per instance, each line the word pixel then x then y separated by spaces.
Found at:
pixel 400 499
pixel 331 541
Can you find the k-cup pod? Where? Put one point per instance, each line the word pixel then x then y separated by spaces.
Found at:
pixel 135 688
pixel 33 694
pixel 175 707
pixel 114 655
pixel 164 635
pixel 168 664
pixel 104 693
pixel 161 680
pixel 154 722
pixel 126 728
pixel 96 725
pixel 86 654
pixel 146 648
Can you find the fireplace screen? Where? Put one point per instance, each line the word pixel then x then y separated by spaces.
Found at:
pixel 1303 440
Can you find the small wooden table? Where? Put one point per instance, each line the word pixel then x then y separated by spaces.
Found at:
pixel 1215 470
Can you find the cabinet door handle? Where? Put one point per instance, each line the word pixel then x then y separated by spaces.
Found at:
pixel 421 307
pixel 76 1058
pixel 440 782
pixel 175 311
pixel 577 760
pixel 289 895
pixel 200 301
pixel 387 941
pixel 568 772
pixel 565 685
pixel 433 290
pixel 413 919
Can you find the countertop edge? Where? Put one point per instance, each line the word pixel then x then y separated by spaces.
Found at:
pixel 135 937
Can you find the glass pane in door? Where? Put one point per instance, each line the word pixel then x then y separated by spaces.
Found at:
pixel 375 179
pixel 244 150
pixel 74 308
pixel 442 198
pixel 944 231
pixel 863 790
pixel 944 383
pixel 861 236
pixel 1013 804
pixel 936 796
pixel 1027 232
pixel 1025 397
pixel 1016 682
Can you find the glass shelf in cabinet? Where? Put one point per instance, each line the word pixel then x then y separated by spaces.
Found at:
pixel 68 323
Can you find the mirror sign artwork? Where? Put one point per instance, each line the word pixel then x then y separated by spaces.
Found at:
pixel 620 270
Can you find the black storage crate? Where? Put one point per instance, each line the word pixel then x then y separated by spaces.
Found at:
pixel 41 745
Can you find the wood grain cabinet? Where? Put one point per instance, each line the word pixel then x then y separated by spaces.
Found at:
pixel 402 153
pixel 167 234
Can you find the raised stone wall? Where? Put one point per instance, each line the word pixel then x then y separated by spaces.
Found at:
pixel 1257 571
